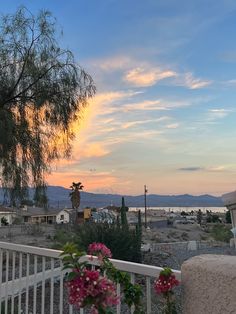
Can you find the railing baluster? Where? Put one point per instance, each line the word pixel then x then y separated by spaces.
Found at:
pixel 132 279
pixel 6 282
pixel 20 277
pixel 118 294
pixel 1 259
pixel 27 285
pixel 43 285
pixel 61 290
pixel 70 309
pixel 81 311
pixel 148 294
pixel 13 280
pixel 52 286
pixel 35 283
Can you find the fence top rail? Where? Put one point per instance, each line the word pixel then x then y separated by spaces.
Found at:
pixel 141 269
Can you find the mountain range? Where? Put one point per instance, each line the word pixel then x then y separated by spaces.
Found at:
pixel 59 197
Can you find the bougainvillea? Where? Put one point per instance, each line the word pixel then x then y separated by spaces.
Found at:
pixel 100 250
pixel 164 285
pixel 90 288
pixel 96 288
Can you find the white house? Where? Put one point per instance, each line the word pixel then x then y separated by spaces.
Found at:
pixel 8 213
pixel 63 216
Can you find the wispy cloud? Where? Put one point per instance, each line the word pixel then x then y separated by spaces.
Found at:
pixel 172 126
pixel 218 113
pixel 188 80
pixel 142 77
pixel 219 168
pixel 140 122
pixel 119 62
pixel 191 169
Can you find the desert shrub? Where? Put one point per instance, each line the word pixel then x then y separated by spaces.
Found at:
pixel 124 244
pixel 221 233
pixel 61 237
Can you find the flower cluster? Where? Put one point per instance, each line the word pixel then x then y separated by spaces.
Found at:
pixel 90 288
pixel 100 250
pixel 165 282
pixel 95 289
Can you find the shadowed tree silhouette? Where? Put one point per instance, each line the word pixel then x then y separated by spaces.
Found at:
pixel 42 91
pixel 75 197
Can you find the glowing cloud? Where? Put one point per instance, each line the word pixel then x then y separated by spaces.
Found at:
pixel 143 77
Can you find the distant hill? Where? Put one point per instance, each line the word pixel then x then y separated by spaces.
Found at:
pixel 59 197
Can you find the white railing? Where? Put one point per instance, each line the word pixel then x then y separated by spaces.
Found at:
pixel 32 280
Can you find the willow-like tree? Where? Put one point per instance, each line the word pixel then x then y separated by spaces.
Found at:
pixel 42 91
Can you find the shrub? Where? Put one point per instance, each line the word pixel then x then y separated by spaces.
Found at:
pixel 221 233
pixel 228 217
pixel 124 244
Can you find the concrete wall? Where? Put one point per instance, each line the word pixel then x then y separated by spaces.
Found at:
pixel 19 230
pixel 209 285
pixel 185 246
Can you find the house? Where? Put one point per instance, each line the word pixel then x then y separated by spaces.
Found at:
pixel 32 214
pixel 63 216
pixel 8 213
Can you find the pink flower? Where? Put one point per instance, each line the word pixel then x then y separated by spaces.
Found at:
pixel 165 283
pixel 91 288
pixel 100 250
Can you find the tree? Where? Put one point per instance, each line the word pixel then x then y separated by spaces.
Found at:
pixel 4 221
pixel 75 198
pixel 123 243
pixel 228 217
pixel 124 222
pixel 199 217
pixel 42 91
pixel 75 194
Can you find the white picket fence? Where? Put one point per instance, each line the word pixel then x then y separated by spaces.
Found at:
pixel 32 280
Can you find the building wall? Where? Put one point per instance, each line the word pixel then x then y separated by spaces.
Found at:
pixel 63 217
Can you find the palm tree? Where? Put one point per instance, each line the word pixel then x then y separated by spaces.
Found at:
pixel 75 197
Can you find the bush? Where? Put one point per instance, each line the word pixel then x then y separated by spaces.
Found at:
pixel 228 217
pixel 62 236
pixel 124 244
pixel 221 233
pixel 4 221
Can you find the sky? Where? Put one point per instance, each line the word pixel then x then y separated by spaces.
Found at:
pixel 164 113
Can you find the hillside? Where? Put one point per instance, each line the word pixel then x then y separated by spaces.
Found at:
pixel 59 196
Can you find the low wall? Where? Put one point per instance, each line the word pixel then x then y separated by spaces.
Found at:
pixel 26 229
pixel 185 246
pixel 209 283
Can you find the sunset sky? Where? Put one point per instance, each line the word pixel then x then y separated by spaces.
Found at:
pixel 165 110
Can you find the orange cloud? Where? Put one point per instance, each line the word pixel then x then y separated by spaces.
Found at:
pixel 143 77
pixel 92 180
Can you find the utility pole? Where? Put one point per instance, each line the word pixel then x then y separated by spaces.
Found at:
pixel 145 204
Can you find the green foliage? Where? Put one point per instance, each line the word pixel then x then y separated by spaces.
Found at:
pixel 61 237
pixel 4 221
pixel 75 194
pixel 199 217
pixel 213 218
pixel 123 243
pixel 71 258
pixel 221 233
pixel 42 90
pixel 124 222
pixel 228 217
